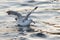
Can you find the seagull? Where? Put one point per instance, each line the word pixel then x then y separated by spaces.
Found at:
pixel 22 20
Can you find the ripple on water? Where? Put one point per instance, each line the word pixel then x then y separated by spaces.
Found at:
pixel 9 4
pixel 39 35
pixel 2 7
pixel 22 38
pixel 54 38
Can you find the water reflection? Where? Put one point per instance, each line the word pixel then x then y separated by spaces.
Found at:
pixel 39 35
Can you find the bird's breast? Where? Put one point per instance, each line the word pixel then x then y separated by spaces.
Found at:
pixel 21 22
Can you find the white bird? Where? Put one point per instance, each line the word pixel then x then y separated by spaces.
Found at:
pixel 22 20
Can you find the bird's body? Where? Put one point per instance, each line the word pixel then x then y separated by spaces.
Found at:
pixel 23 22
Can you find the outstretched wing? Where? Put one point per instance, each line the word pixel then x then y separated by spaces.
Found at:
pixel 30 13
pixel 14 13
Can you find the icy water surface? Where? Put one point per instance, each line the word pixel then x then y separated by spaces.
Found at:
pixel 47 18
